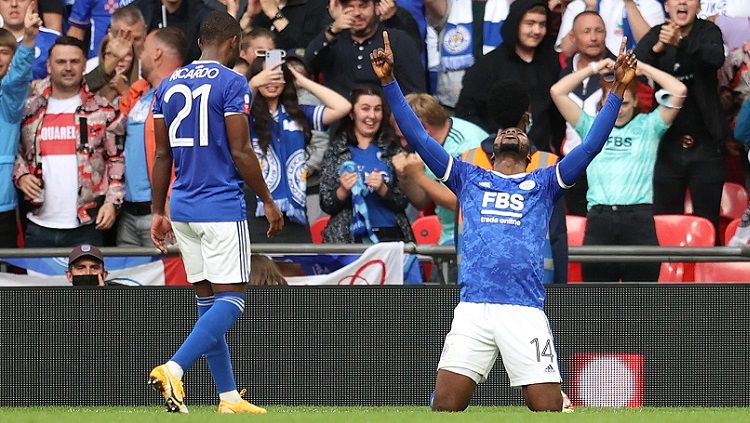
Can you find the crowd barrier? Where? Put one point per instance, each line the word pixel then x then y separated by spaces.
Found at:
pixel 618 345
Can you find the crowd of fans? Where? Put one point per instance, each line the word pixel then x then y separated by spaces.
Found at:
pixel 78 135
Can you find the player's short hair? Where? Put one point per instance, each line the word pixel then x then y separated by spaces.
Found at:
pixel 587 13
pixel 7 39
pixel 257 32
pixel 129 15
pixel 174 39
pixel 427 109
pixel 218 27
pixel 508 101
pixel 66 40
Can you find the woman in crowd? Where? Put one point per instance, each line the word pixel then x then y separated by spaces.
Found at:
pixel 124 75
pixel 620 178
pixel 358 186
pixel 280 128
pixel 263 271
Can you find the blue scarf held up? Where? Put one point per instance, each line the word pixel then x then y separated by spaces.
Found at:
pixel 360 216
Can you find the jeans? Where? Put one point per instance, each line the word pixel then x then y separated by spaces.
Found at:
pixel 41 237
pixel 134 231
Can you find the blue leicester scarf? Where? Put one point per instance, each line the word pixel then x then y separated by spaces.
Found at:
pixel 284 168
pixel 456 44
pixel 360 216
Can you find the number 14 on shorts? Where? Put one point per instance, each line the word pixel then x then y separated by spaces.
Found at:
pixel 546 351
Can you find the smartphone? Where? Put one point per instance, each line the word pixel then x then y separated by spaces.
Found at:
pixel 273 58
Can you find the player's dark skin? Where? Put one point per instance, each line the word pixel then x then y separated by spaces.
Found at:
pixel 454 391
pixel 244 158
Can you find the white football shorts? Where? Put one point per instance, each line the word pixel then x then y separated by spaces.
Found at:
pixel 521 334
pixel 218 252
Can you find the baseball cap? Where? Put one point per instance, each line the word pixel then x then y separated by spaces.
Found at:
pixel 85 250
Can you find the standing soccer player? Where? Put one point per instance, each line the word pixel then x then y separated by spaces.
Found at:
pixel 506 214
pixel 200 122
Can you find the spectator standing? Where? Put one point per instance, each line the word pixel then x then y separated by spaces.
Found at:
pixel 691 154
pixel 16 61
pixel 70 162
pixel 184 14
pixel 358 185
pixel 294 22
pixel 620 191
pixel 631 18
pixel 13 13
pixel 460 32
pixel 93 16
pixel 340 52
pixel 163 52
pixel 456 136
pixel 525 55
pixel 280 132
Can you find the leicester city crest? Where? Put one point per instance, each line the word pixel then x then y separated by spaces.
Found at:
pixel 269 164
pixel 456 40
pixel 296 174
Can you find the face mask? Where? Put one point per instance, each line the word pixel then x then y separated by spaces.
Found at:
pixel 86 280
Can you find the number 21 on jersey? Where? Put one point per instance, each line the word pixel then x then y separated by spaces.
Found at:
pixel 201 94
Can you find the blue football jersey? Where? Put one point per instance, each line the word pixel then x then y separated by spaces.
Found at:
pixel 44 41
pixel 505 223
pixel 193 101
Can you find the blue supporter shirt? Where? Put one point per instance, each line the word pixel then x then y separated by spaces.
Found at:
pixel 44 41
pixel 137 184
pixel 193 101
pixel 368 161
pixel 97 14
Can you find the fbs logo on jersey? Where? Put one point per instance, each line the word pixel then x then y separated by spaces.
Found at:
pixel 502 207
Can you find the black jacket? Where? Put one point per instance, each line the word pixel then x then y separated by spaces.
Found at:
pixel 695 62
pixel 504 64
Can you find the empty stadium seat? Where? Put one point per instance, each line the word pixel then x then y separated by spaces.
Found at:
pixel 576 229
pixel 427 230
pixel 316 229
pixel 723 272
pixel 730 230
pixel 682 231
pixel 734 198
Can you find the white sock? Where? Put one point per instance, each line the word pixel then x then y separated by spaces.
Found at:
pixel 231 396
pixel 175 369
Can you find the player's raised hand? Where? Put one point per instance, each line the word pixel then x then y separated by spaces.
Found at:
pixel 274 217
pixel 161 230
pixel 31 24
pixel 625 67
pixel 382 61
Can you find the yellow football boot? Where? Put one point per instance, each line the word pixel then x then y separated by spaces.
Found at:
pixel 164 382
pixel 241 407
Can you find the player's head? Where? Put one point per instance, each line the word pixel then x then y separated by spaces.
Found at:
pixel 163 51
pixel 629 107
pixel 85 264
pixel 220 31
pixel 131 19
pixel 256 43
pixel 66 62
pixel 589 34
pixel 7 48
pixel 365 17
pixel 13 13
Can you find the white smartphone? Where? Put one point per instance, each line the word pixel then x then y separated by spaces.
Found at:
pixel 273 58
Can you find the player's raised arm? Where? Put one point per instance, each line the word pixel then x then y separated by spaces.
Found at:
pixel 572 166
pixel 432 153
pixel 249 168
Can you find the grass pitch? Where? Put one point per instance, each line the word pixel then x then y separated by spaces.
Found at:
pixel 203 414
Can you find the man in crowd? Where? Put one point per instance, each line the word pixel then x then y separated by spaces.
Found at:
pixel 185 15
pixel 86 266
pixel 526 55
pixel 16 61
pixel 341 51
pixel 691 153
pixel 13 13
pixel 70 162
pixel 163 53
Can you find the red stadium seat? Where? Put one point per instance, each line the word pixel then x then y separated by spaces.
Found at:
pixel 734 198
pixel 576 229
pixel 427 230
pixel 723 272
pixel 316 229
pixel 731 229
pixel 682 231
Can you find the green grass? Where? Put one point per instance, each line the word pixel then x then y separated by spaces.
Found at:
pixel 202 414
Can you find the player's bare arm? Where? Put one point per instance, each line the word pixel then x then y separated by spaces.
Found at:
pixel 249 168
pixel 161 227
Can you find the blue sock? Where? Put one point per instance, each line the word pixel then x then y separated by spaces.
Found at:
pixel 218 358
pixel 210 328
